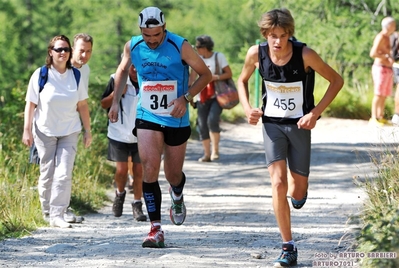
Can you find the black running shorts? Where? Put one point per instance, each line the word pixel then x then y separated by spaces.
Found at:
pixel 173 136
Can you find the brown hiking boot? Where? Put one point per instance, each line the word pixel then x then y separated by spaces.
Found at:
pixel 138 214
pixel 117 207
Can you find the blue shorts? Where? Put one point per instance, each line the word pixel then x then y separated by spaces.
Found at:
pixel 287 142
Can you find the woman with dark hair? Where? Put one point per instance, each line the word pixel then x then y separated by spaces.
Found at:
pixel 209 110
pixel 56 115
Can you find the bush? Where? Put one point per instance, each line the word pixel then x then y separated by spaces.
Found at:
pixel 381 213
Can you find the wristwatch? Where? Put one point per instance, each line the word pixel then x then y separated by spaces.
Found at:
pixel 188 97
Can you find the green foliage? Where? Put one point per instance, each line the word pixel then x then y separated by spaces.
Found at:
pixel 323 25
pixel 381 214
pixel 19 202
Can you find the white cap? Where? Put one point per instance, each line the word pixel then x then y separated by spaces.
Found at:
pixel 151 17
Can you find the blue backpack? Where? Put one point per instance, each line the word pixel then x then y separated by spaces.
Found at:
pixel 33 156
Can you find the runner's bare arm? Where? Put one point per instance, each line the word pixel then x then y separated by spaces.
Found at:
pixel 198 66
pixel 204 77
pixel 250 64
pixel 313 60
pixel 121 75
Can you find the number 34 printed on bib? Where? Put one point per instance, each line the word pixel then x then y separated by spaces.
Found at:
pixel 284 100
pixel 155 96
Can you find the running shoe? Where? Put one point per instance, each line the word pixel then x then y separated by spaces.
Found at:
pixel 117 207
pixel 155 238
pixel 299 204
pixel 177 210
pixel 288 256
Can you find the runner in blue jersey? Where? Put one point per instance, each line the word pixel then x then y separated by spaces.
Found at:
pixel 288 114
pixel 162 60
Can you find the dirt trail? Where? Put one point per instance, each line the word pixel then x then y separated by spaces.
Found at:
pixel 230 222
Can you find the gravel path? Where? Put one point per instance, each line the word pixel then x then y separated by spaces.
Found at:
pixel 230 222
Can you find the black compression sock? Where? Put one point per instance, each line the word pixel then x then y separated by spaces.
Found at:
pixel 179 188
pixel 153 199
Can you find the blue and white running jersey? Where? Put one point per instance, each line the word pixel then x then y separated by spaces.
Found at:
pixel 162 76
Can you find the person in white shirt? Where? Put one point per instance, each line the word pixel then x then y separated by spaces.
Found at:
pixel 57 114
pixel 209 110
pixel 81 54
pixel 123 145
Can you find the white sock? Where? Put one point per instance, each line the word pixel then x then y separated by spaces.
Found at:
pixel 175 197
pixel 120 193
pixel 157 224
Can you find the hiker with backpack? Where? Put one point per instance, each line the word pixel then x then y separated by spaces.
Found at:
pixel 81 54
pixel 57 114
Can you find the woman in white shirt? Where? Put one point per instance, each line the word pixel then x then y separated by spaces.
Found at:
pixel 57 114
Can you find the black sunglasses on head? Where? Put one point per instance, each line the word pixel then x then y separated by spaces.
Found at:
pixel 60 49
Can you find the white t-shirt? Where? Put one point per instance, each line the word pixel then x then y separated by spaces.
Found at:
pixel 122 129
pixel 85 75
pixel 211 63
pixel 56 112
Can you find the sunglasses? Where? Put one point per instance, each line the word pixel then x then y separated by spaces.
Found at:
pixel 60 49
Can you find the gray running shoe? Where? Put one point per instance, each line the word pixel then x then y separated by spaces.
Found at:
pixel 177 210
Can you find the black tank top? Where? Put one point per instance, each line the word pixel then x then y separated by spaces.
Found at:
pixel 287 77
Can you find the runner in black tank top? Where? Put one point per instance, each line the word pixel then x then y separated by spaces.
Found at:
pixel 288 114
